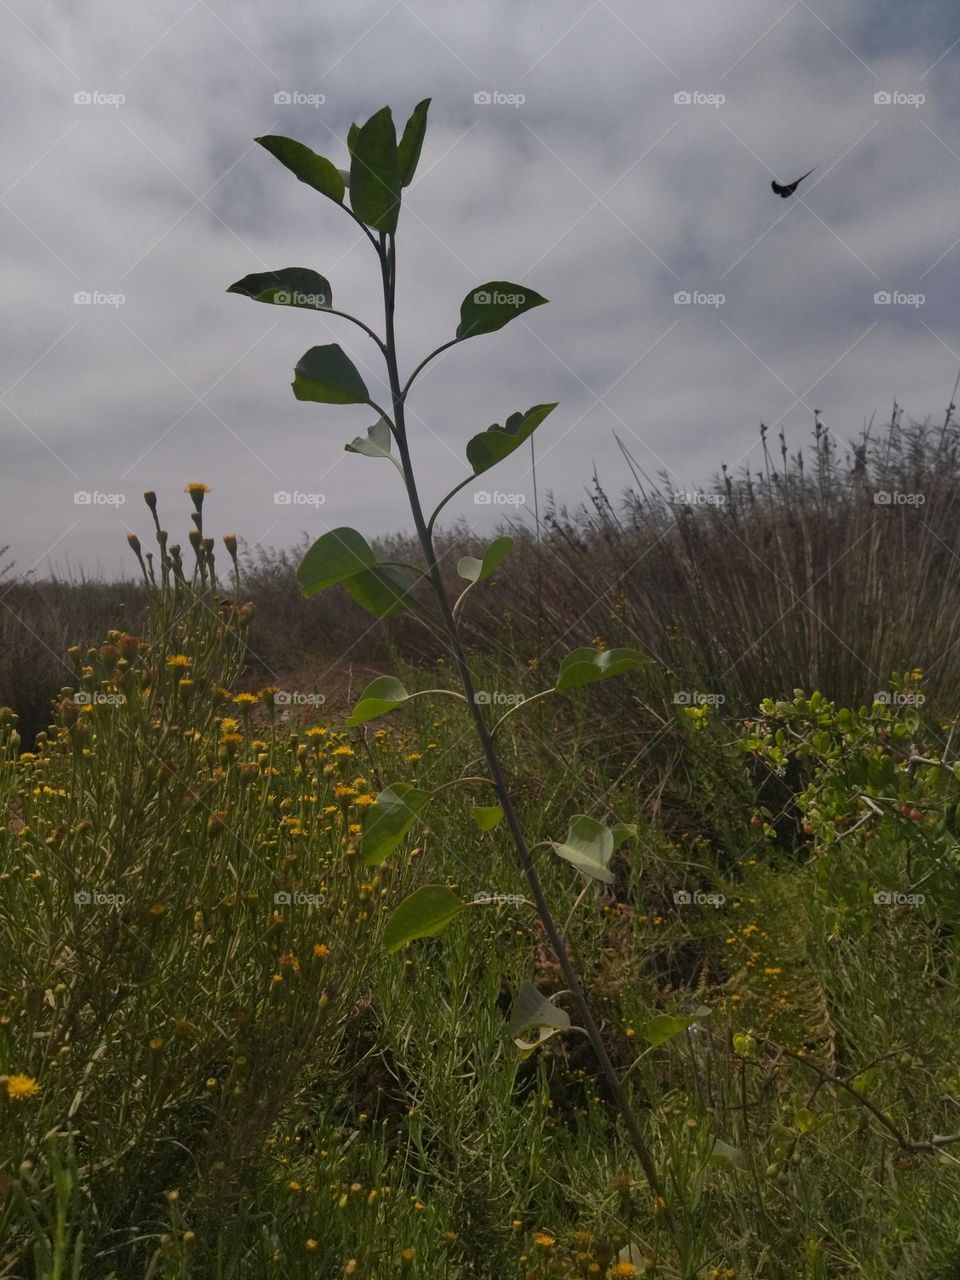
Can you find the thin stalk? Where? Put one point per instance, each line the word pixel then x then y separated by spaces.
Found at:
pixel 387 255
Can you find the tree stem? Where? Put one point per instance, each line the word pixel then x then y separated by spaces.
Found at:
pixel 387 254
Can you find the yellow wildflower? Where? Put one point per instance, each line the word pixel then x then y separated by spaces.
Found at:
pixel 20 1087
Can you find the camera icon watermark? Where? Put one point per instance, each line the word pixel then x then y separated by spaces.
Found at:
pixel 94 898
pixel 296 898
pixel 86 298
pixel 695 898
pixel 895 298
pixel 294 98
pixel 696 298
pixel 286 298
pixel 894 98
pixel 297 698
pixel 498 698
pixel 286 498
pixel 696 498
pixel 896 498
pixel 484 498
pixel 695 698
pixel 96 698
pixel 696 98
pixel 86 498
pixel 494 97
pixel 894 698
pixel 484 298
pixel 96 98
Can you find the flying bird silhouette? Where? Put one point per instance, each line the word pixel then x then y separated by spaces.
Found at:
pixel 789 190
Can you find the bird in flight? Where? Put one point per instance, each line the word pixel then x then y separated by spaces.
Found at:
pixel 789 190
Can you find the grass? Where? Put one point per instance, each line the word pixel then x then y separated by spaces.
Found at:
pixel 209 1068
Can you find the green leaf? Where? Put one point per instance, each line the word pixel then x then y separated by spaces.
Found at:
pixel 804 1121
pixel 487 816
pixel 727 1157
pixel 377 699
pixel 490 306
pixel 496 443
pixel 288 287
pixel 333 558
pixel 527 1047
pixel 377 442
pixel 352 137
pixel 623 831
pixel 328 376
pixel 314 170
pixel 424 914
pixel 865 1081
pixel 585 666
pixel 389 819
pixel 531 1009
pixel 383 590
pixel 665 1026
pixel 374 173
pixel 475 570
pixel 588 847
pixel 408 152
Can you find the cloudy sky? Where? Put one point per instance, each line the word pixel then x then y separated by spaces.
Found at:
pixel 625 158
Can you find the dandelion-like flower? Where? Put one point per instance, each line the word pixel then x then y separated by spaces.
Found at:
pixel 21 1088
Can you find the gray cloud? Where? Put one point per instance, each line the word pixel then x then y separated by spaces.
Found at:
pixel 600 191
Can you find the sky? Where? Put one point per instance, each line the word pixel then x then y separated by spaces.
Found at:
pixel 615 159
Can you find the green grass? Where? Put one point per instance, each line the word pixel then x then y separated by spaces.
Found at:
pixel 206 1080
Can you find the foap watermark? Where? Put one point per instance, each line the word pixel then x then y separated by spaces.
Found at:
pixel 86 298
pixel 486 897
pixel 95 898
pixel 696 898
pixel 288 298
pixel 696 498
pixel 695 698
pixel 697 98
pixel 83 698
pixel 895 298
pixel 297 698
pixel 84 498
pixel 896 498
pixel 495 98
pixel 295 98
pixel 894 698
pixel 296 898
pixel 484 498
pixel 286 498
pixel 498 698
pixel 891 898
pixel 486 298
pixel 97 98
pixel 688 298
pixel 894 98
